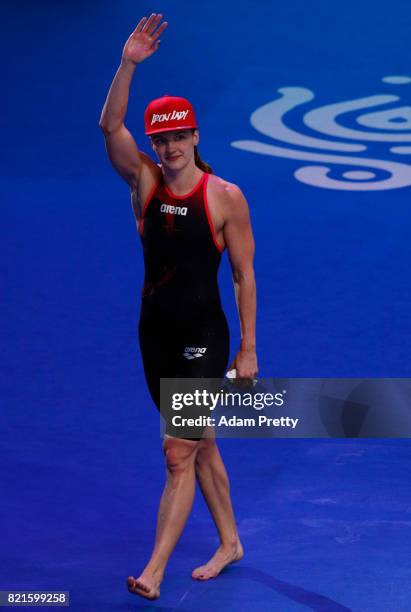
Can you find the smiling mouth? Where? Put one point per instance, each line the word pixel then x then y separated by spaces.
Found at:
pixel 173 157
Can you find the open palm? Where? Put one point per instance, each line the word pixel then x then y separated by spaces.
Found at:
pixel 144 41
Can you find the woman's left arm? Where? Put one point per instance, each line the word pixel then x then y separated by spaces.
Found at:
pixel 239 241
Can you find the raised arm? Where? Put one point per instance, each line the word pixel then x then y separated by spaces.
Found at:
pixel 129 162
pixel 240 246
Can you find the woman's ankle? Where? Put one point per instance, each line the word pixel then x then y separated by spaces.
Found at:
pixel 155 571
pixel 230 543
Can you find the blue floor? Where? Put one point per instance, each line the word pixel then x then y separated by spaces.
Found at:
pixel 325 524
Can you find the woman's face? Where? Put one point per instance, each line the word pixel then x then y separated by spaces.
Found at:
pixel 175 149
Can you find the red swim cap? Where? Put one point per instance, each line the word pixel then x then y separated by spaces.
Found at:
pixel 169 113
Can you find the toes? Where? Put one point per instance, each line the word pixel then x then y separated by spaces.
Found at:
pixel 130 582
pixel 140 585
pixel 197 573
pixel 134 584
pixel 201 575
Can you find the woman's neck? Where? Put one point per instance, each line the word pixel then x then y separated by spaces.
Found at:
pixel 182 181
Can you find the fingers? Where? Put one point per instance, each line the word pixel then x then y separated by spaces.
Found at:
pixel 152 23
pixel 155 46
pixel 151 49
pixel 154 43
pixel 148 27
pixel 149 23
pixel 160 30
pixel 140 25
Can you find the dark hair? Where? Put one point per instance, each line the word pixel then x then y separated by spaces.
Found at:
pixel 199 162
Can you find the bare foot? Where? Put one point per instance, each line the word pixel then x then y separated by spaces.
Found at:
pixel 222 557
pixel 146 585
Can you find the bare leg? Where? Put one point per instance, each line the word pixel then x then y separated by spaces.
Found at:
pixel 213 481
pixel 175 506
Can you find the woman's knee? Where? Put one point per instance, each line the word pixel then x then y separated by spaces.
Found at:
pixel 179 453
pixel 206 451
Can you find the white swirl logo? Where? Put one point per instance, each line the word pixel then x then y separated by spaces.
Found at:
pixel 394 126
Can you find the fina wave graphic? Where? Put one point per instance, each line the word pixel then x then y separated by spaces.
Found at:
pixel 393 125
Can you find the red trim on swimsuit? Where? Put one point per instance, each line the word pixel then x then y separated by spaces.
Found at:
pixel 210 222
pixel 186 195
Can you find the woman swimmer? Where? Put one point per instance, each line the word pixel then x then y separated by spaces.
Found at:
pixel 186 216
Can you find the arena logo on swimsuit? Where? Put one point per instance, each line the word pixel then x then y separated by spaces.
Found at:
pixel 175 210
pixel 191 352
pixel 174 116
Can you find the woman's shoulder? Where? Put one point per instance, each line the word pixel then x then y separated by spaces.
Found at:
pixel 221 186
pixel 224 191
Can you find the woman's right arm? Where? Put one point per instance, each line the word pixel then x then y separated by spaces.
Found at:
pixel 133 165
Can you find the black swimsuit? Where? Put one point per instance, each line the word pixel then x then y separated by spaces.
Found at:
pixel 183 331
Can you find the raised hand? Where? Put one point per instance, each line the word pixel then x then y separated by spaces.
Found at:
pixel 144 41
